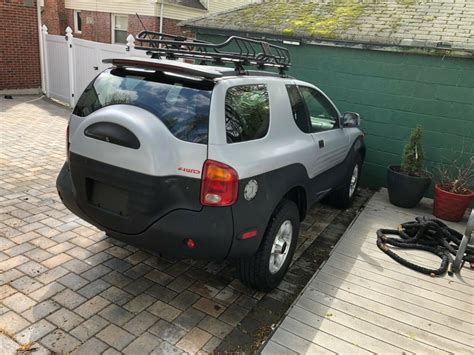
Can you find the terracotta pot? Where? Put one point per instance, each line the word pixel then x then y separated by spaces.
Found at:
pixel 450 206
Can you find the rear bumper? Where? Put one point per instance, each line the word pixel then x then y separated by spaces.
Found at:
pixel 211 228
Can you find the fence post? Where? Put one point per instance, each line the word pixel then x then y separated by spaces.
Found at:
pixel 130 45
pixel 70 63
pixel 44 34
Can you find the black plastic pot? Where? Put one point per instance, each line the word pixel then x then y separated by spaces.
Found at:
pixel 405 190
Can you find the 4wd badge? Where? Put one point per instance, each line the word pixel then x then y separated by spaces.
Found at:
pixel 250 190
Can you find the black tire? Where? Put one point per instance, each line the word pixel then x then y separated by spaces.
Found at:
pixel 255 270
pixel 341 198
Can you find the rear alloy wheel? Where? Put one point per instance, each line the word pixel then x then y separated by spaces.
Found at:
pixel 344 196
pixel 280 247
pixel 266 269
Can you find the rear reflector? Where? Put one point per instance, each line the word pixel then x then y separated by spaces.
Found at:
pixel 219 184
pixel 191 244
pixel 249 234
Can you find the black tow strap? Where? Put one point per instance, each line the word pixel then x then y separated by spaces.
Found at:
pixel 426 234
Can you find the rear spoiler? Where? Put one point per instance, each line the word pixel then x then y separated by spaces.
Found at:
pixel 174 67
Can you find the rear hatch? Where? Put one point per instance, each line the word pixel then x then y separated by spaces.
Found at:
pixel 138 142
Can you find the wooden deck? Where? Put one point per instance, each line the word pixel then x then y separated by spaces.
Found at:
pixel 361 301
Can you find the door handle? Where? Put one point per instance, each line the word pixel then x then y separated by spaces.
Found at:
pixel 321 143
pixel 96 68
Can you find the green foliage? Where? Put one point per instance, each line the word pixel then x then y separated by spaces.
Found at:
pixel 406 2
pixel 309 19
pixel 412 162
pixel 325 21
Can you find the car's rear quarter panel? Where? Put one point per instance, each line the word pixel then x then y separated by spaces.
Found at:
pixel 277 162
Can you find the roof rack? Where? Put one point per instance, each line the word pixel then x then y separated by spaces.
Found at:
pixel 239 51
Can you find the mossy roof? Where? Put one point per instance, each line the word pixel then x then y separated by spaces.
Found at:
pixel 387 22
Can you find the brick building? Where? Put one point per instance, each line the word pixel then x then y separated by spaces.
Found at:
pixel 19 48
pixel 111 21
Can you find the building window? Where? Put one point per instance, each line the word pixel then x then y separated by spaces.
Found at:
pixel 77 21
pixel 119 28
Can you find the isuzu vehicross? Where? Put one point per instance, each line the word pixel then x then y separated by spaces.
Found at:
pixel 208 161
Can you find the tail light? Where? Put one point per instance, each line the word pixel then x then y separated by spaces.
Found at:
pixel 67 143
pixel 191 244
pixel 219 184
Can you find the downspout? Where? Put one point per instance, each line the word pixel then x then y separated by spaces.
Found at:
pixel 162 7
pixel 41 46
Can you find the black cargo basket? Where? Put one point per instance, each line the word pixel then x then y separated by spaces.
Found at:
pixel 239 51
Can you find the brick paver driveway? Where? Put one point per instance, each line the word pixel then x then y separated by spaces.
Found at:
pixel 65 286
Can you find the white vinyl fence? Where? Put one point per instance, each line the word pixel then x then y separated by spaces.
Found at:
pixel 71 63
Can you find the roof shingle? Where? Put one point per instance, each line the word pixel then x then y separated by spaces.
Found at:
pixel 388 22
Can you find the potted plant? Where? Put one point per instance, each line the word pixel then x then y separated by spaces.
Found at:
pixel 453 193
pixel 408 183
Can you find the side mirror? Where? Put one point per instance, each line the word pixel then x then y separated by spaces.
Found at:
pixel 350 119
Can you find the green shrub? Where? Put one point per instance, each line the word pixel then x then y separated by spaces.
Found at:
pixel 412 161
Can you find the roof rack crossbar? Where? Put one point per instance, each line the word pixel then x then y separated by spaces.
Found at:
pixel 237 50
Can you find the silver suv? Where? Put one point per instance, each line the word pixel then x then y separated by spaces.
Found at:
pixel 200 161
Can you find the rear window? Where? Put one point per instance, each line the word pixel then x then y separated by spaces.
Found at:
pixel 247 113
pixel 182 104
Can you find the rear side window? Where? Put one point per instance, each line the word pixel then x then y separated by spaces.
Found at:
pixel 247 113
pixel 181 104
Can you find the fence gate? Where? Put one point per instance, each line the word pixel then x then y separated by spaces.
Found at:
pixel 56 68
pixel 85 67
pixel 71 63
